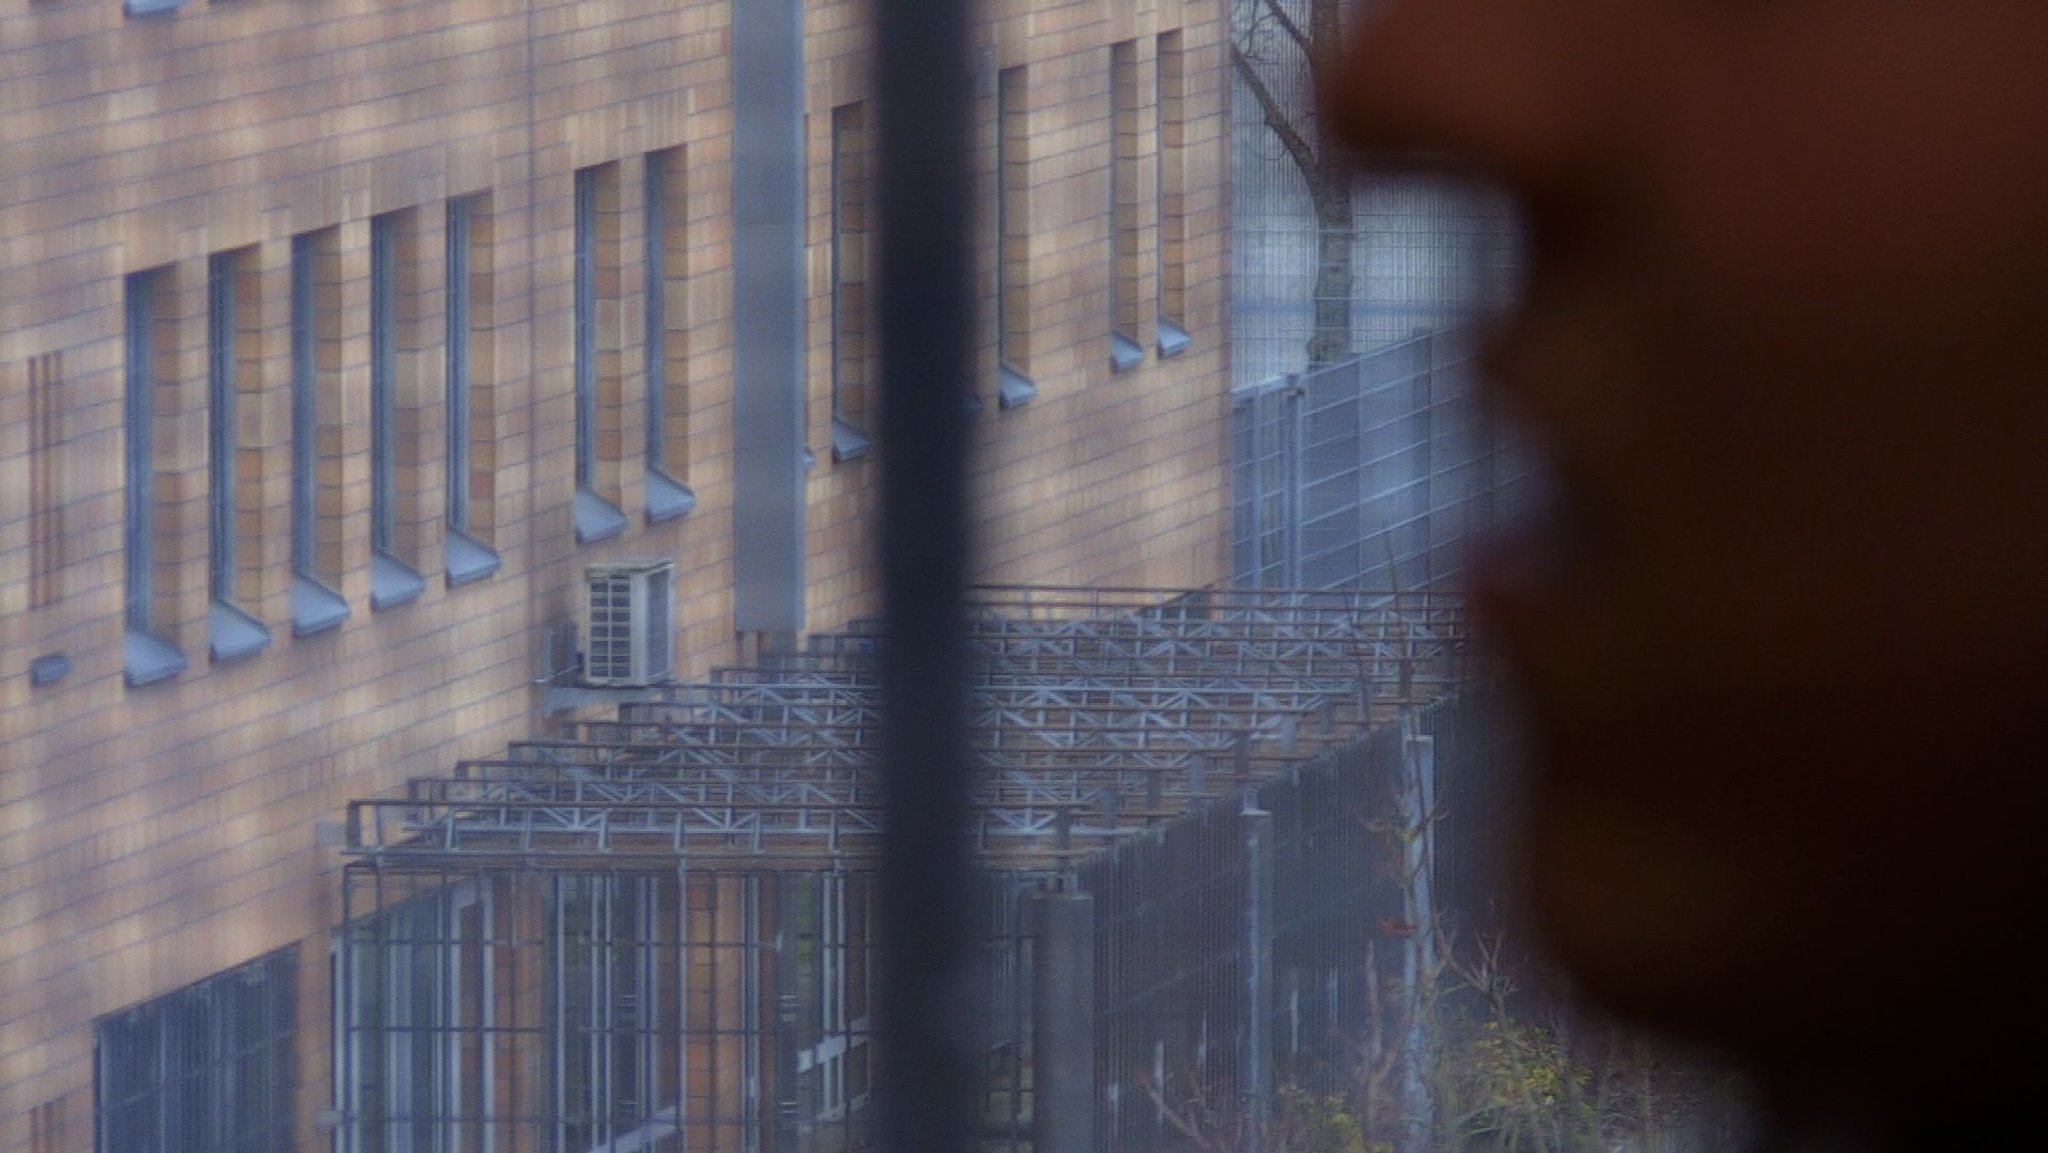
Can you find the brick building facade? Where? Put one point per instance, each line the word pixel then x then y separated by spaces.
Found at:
pixel 331 338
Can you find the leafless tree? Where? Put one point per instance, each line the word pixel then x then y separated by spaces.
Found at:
pixel 1284 50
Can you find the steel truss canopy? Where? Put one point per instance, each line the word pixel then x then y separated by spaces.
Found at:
pixel 1095 714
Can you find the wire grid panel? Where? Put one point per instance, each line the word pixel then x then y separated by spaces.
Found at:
pixel 531 940
pixel 1426 253
pixel 1007 1116
pixel 1336 910
pixel 544 1010
pixel 1266 496
pixel 205 1069
pixel 1176 1010
pixel 510 1009
pixel 1169 993
pixel 1373 473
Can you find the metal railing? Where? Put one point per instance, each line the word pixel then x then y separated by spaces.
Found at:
pixel 1133 817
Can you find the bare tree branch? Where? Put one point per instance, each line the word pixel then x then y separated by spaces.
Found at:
pixel 1325 34
pixel 1298 148
pixel 1268 34
pixel 1185 1126
pixel 1293 30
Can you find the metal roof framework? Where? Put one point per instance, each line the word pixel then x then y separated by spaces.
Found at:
pixel 1095 715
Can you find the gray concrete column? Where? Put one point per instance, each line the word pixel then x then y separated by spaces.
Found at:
pixel 768 317
pixel 1063 1023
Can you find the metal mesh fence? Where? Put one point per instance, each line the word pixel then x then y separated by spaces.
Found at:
pixel 1282 945
pixel 1234 952
pixel 511 1009
pixel 1372 473
pixel 1427 253
pixel 206 1069
pixel 654 932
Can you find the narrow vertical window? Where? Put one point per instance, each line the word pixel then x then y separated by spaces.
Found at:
pixel 1171 122
pixel 468 557
pixel 852 351
pixel 392 580
pixel 455 286
pixel 148 656
pixel 47 547
pixel 666 236
pixel 140 410
pixel 46 480
pixel 1013 243
pixel 1125 229
pixel 305 372
pixel 586 327
pixel 595 205
pixel 231 633
pixel 316 607
pixel 220 420
pixel 383 391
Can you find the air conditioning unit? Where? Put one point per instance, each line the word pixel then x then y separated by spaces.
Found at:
pixel 631 626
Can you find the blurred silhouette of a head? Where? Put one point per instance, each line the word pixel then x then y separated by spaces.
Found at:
pixel 1782 646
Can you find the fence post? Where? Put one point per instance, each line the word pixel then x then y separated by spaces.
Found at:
pixel 1419 958
pixel 790 1119
pixel 1255 1061
pixel 1293 472
pixel 1063 1022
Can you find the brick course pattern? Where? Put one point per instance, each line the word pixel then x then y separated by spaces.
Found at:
pixel 153 836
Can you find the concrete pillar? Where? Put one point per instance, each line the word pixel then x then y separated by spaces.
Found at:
pixel 1063 1023
pixel 768 342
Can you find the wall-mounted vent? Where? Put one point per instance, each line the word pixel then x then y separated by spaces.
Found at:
pixel 631 623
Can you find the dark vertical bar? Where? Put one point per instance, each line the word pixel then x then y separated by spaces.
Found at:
pixel 654 324
pixel 304 352
pixel 924 95
pixel 139 409
pixel 584 312
pixel 220 341
pixel 455 293
pixel 383 385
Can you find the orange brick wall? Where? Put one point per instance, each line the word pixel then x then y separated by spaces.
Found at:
pixel 1111 478
pixel 151 837
pixel 1105 478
